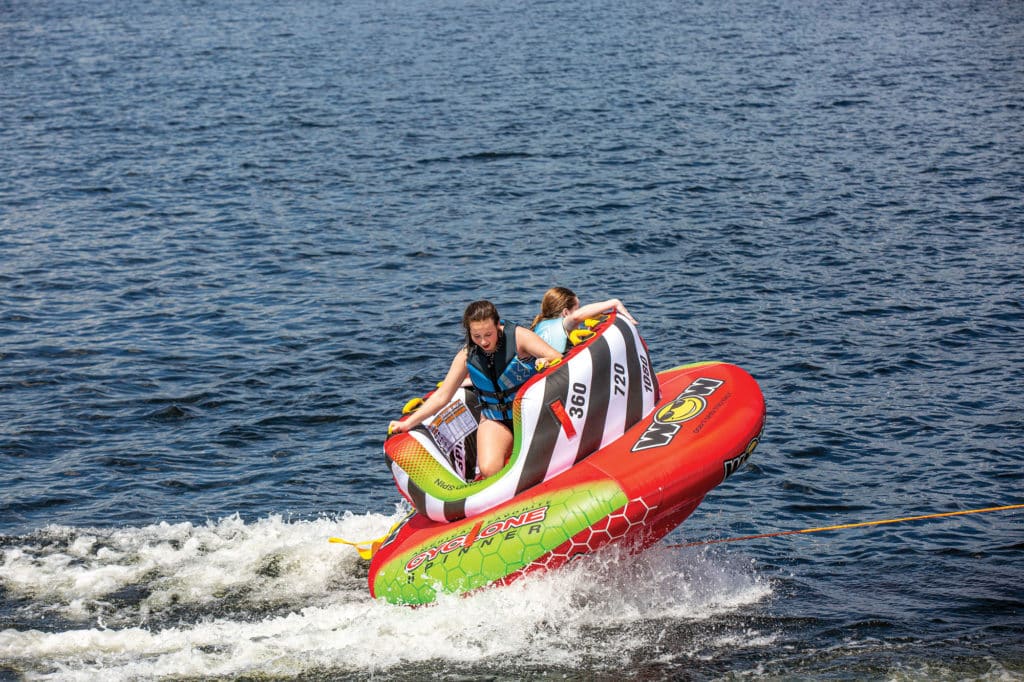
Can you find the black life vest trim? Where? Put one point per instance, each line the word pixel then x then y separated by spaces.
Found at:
pixel 497 402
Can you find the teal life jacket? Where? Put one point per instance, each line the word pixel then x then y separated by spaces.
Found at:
pixel 552 331
pixel 498 376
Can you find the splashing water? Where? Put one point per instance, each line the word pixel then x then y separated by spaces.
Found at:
pixel 275 598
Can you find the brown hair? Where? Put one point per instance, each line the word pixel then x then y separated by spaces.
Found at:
pixel 556 299
pixel 479 311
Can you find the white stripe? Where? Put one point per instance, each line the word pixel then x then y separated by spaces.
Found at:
pixel 615 419
pixel 503 489
pixel 581 371
pixel 531 404
pixel 435 509
pixel 428 444
pixel 401 478
pixel 435 506
pixel 650 396
pixel 499 491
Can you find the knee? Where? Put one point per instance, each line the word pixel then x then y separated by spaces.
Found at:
pixel 490 460
pixel 494 443
pixel 490 466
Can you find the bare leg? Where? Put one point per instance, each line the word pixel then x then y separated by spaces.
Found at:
pixel 493 443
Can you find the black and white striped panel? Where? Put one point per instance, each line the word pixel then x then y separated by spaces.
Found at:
pixel 604 388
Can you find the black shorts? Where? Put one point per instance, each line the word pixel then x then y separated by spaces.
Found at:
pixel 507 423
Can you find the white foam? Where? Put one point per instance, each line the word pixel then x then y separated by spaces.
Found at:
pixel 323 617
pixel 182 563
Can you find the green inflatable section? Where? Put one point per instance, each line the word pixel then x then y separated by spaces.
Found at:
pixel 487 548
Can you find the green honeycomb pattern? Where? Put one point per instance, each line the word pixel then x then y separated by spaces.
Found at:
pixel 569 511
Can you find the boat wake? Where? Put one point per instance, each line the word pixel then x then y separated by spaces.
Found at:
pixel 274 598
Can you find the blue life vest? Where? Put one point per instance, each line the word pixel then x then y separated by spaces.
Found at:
pixel 499 375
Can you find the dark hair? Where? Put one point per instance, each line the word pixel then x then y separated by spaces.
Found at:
pixel 478 311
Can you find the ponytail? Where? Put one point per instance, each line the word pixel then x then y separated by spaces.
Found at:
pixel 556 299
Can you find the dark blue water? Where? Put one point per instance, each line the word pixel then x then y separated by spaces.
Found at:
pixel 236 237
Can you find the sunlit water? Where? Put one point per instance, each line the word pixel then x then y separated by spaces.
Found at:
pixel 236 237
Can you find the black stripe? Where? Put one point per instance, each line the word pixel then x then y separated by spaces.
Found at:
pixel 470 473
pixel 600 389
pixel 635 384
pixel 453 511
pixel 473 403
pixel 545 431
pixel 419 498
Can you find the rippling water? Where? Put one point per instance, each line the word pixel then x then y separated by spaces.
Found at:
pixel 236 237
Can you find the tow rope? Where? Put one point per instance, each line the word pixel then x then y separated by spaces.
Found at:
pixel 861 524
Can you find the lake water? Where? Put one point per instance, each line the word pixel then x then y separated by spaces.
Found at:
pixel 236 237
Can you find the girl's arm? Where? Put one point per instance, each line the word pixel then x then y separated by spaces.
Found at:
pixel 577 317
pixel 529 343
pixel 438 399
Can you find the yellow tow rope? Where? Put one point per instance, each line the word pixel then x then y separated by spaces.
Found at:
pixel 861 524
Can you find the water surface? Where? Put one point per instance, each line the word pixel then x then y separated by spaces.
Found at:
pixel 236 237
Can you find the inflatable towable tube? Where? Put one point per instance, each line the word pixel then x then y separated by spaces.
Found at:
pixel 703 425
pixel 561 416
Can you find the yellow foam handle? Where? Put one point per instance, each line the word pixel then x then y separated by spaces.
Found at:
pixel 541 365
pixel 578 336
pixel 366 548
pixel 413 405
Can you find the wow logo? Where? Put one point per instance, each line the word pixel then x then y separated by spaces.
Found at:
pixel 687 405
